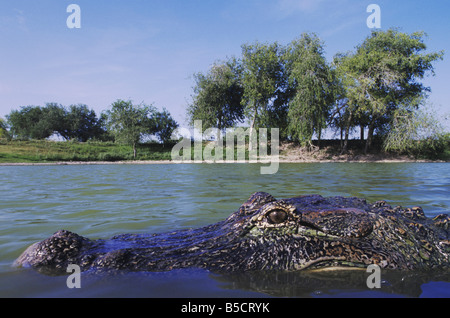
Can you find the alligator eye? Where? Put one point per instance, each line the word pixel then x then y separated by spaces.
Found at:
pixel 276 217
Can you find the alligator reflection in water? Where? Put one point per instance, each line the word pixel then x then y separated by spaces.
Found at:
pixel 328 283
pixel 307 283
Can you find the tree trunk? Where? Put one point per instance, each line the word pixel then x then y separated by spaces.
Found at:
pixel 252 130
pixel 347 132
pixel 362 132
pixel 134 150
pixel 219 128
pixel 369 137
pixel 319 137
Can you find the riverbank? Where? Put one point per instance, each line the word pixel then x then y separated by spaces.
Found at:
pixel 290 152
pixel 289 158
pixel 44 151
pixel 104 153
pixel 167 162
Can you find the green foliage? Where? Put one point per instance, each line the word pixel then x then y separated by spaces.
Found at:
pixel 81 123
pixel 35 122
pixel 124 122
pixel 4 134
pixel 313 83
pixel 164 125
pixel 418 133
pixel 218 96
pixel 262 76
pixel 128 122
pixel 293 88
pixel 31 122
pixel 382 76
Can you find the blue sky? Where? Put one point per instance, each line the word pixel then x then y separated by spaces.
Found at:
pixel 148 50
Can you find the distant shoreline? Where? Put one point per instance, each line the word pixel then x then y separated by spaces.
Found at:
pixel 46 153
pixel 153 162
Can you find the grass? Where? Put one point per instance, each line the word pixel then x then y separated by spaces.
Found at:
pixel 43 151
pixel 38 151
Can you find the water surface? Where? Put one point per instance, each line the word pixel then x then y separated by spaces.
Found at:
pixel 99 201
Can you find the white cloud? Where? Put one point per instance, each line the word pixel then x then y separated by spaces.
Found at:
pixel 20 18
pixel 14 20
pixel 346 25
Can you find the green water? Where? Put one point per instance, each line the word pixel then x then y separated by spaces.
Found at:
pixel 99 201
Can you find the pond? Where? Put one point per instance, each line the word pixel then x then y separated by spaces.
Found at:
pixel 100 201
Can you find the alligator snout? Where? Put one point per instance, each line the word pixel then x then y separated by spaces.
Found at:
pixel 348 222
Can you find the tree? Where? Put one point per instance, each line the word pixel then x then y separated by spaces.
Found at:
pixel 382 75
pixel 31 122
pixel 35 122
pixel 415 131
pixel 261 77
pixel 164 125
pixel 129 122
pixel 313 85
pixel 80 123
pixel 55 118
pixel 3 129
pixel 218 96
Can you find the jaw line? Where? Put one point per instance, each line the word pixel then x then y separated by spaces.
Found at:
pixel 336 269
pixel 310 264
pixel 341 262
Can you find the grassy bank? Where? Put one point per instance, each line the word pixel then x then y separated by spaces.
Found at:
pixel 35 151
pixel 41 151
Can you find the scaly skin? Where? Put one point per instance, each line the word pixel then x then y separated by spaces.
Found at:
pixel 305 232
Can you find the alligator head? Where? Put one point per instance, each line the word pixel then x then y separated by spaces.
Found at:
pixel 305 232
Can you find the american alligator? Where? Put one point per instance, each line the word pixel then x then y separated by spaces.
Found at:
pixel 304 232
